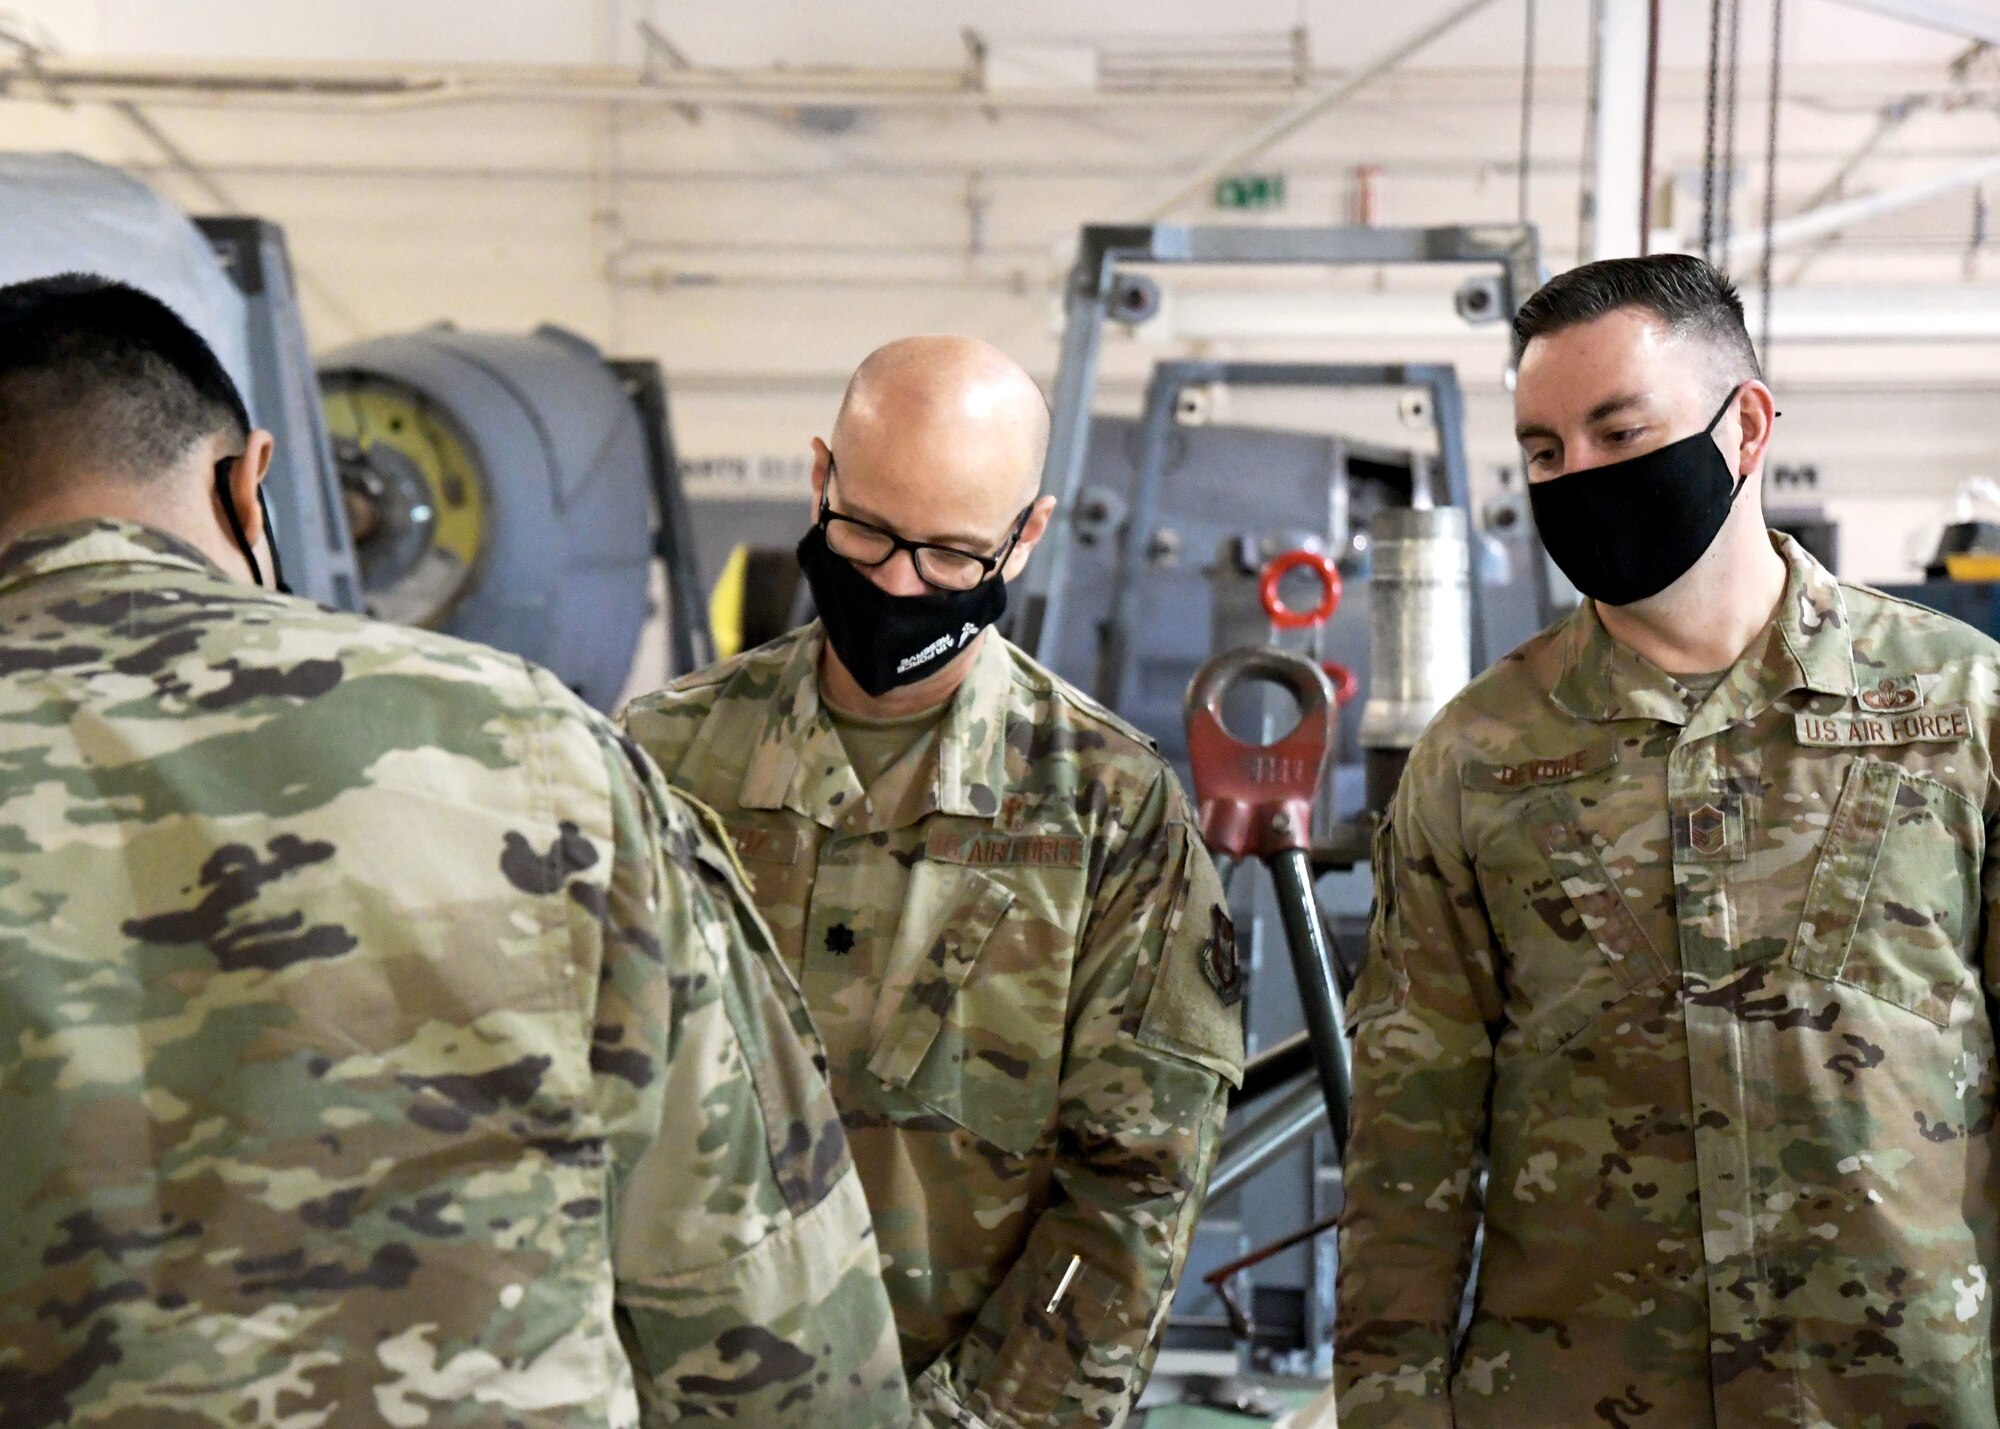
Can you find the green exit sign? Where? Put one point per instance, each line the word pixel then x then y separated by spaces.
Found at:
pixel 1251 192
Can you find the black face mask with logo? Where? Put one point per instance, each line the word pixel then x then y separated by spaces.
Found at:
pixel 1628 530
pixel 889 640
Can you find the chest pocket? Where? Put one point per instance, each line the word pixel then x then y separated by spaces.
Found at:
pixel 973 1027
pixel 1574 947
pixel 1892 906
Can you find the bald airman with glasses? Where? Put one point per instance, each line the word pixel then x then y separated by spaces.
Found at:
pixel 1010 938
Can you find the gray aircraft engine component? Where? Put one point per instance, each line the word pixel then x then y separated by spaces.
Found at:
pixel 1420 650
pixel 498 487
pixel 230 280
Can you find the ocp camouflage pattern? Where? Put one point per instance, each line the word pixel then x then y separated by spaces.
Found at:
pixel 363 998
pixel 1001 942
pixel 1699 996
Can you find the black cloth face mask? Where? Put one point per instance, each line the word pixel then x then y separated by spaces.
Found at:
pixel 1629 529
pixel 222 470
pixel 889 640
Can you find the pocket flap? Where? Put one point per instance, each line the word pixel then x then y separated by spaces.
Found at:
pixel 954 947
pixel 1605 915
pixel 1839 888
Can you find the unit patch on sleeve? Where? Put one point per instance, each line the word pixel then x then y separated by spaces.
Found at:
pixel 1219 961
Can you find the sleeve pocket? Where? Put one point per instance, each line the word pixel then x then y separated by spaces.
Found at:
pixel 1044 1352
pixel 1382 986
pixel 1193 1006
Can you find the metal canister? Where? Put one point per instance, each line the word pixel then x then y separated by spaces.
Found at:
pixel 1420 651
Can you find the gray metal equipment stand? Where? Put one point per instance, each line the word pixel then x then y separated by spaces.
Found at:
pixel 690 641
pixel 1163 393
pixel 1101 290
pixel 309 523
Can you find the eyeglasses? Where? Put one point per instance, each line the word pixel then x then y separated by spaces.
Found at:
pixel 940 567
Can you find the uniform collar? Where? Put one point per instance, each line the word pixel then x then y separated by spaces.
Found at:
pixel 1807 646
pixel 94 543
pixel 798 762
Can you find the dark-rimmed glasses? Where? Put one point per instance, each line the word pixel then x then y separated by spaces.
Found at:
pixel 940 567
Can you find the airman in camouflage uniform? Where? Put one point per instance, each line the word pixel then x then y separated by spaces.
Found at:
pixel 366 1002
pixel 1000 938
pixel 1688 994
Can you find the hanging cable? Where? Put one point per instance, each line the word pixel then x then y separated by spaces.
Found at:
pixel 1586 208
pixel 1726 179
pixel 1527 105
pixel 1708 133
pixel 1652 110
pixel 1771 180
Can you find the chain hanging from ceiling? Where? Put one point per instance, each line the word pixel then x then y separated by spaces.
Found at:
pixel 1771 182
pixel 1710 113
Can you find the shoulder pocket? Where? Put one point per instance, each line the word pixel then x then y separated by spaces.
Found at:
pixel 1194 1004
pixel 1892 907
pixel 1383 985
pixel 985 1048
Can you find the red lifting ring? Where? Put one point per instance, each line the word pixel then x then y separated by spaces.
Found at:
pixel 1345 684
pixel 1283 616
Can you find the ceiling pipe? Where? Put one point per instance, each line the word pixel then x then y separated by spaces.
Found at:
pixel 1240 151
pixel 1831 218
pixel 363 88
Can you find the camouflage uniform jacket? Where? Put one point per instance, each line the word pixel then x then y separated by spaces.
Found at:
pixel 1705 994
pixel 1002 943
pixel 364 999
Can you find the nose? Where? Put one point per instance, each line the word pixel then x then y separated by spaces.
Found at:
pixel 898 575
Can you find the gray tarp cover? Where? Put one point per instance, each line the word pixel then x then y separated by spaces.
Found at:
pixel 61 213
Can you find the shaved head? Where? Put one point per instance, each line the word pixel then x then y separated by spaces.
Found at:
pixel 939 441
pixel 949 390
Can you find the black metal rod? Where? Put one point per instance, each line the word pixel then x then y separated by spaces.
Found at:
pixel 1319 994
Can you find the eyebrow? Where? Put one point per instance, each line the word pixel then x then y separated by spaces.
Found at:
pixel 1609 407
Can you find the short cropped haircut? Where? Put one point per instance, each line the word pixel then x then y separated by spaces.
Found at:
pixel 100 379
pixel 1683 291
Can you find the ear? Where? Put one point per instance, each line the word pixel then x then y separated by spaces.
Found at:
pixel 822 463
pixel 246 474
pixel 1754 410
pixel 1038 522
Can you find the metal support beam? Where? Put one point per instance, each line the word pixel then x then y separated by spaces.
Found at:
pixel 1617 182
pixel 1980 22
pixel 1831 218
